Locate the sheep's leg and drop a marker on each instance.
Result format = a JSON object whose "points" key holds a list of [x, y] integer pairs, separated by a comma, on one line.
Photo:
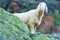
{"points": [[32, 29]]}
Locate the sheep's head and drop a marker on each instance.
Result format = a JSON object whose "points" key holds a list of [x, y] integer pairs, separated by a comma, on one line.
{"points": [[42, 7]]}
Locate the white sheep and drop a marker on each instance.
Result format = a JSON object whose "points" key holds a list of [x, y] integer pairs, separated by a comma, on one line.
{"points": [[33, 17]]}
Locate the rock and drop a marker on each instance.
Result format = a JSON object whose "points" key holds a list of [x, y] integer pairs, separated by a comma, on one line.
{"points": [[46, 24]]}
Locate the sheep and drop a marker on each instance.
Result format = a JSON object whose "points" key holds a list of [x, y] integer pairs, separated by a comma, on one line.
{"points": [[33, 17]]}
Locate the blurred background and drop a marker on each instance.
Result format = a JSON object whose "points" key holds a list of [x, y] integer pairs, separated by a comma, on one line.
{"points": [[26, 5]]}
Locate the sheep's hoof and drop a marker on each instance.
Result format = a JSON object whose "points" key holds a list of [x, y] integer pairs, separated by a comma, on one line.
{"points": [[32, 31]]}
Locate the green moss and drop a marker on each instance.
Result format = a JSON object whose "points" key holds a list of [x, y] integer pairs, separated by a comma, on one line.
{"points": [[12, 27], [40, 37]]}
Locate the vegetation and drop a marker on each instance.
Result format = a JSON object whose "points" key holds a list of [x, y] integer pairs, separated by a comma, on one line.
{"points": [[12, 28], [56, 18]]}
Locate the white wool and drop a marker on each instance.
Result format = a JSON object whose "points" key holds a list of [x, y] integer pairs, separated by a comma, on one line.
{"points": [[26, 15], [30, 17]]}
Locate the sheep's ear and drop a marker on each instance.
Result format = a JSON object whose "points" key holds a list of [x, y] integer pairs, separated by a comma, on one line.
{"points": [[46, 10]]}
